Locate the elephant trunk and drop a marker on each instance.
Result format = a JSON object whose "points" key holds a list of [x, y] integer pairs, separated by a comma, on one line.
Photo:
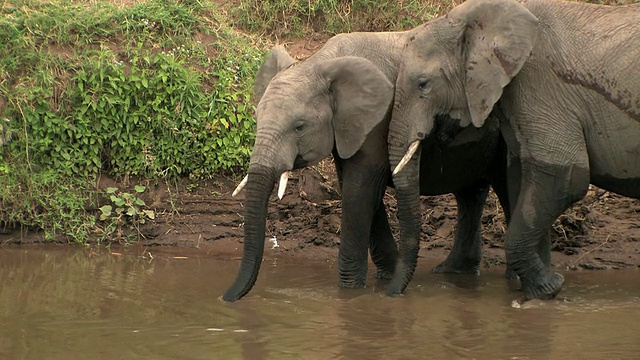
{"points": [[260, 182], [407, 187]]}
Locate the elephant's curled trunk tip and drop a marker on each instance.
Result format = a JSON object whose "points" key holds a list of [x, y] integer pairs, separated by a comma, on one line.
{"points": [[238, 290]]}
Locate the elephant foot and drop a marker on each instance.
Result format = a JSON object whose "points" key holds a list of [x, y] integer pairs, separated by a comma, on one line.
{"points": [[352, 274], [545, 285], [458, 267], [352, 284], [395, 290], [384, 274], [510, 274], [396, 286]]}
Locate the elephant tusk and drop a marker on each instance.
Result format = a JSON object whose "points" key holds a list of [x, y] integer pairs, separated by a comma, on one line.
{"points": [[240, 186], [282, 186], [405, 159]]}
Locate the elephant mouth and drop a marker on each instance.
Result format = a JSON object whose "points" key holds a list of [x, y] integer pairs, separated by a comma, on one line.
{"points": [[300, 163]]}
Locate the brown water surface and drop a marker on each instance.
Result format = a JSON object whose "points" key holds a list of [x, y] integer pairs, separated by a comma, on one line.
{"points": [[62, 303]]}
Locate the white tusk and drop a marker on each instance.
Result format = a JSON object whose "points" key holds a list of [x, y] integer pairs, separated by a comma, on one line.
{"points": [[405, 159], [282, 186], [240, 186]]}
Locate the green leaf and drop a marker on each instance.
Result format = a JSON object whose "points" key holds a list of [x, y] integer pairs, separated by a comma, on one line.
{"points": [[150, 214], [106, 210], [131, 211], [117, 201], [139, 202], [140, 188], [111, 190]]}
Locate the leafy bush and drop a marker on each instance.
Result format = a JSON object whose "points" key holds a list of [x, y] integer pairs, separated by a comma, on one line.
{"points": [[129, 109], [157, 89], [46, 201]]}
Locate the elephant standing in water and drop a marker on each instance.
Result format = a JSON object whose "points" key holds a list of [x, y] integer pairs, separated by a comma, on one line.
{"points": [[565, 77], [339, 102]]}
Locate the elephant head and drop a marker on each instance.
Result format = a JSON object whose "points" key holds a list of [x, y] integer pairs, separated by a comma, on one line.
{"points": [[454, 65], [305, 111]]}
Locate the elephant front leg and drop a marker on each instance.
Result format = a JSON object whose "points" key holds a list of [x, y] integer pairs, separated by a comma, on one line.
{"points": [[512, 189], [508, 189], [362, 190], [466, 253], [546, 192], [383, 248], [353, 254]]}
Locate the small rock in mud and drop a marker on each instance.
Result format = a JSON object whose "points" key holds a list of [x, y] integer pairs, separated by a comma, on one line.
{"points": [[592, 266], [570, 251]]}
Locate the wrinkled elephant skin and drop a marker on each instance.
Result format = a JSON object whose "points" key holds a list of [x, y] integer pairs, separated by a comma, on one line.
{"points": [[564, 79]]}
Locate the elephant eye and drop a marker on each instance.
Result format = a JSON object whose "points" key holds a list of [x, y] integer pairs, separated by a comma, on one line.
{"points": [[422, 83], [299, 126]]}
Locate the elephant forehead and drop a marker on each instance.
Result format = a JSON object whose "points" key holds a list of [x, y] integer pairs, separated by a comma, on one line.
{"points": [[287, 86], [281, 109], [289, 94], [285, 98]]}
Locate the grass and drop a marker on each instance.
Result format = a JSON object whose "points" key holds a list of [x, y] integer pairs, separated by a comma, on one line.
{"points": [[282, 18]]}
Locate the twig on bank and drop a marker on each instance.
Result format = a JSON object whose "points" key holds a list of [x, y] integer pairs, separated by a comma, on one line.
{"points": [[592, 250]]}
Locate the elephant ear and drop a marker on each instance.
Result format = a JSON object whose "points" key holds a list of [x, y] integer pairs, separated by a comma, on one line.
{"points": [[498, 38], [277, 60], [361, 95]]}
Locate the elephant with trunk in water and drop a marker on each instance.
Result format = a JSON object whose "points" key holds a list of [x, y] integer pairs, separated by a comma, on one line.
{"points": [[339, 102], [565, 77]]}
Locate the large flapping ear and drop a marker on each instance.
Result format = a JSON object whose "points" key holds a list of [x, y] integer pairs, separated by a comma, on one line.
{"points": [[277, 60], [362, 96], [498, 39]]}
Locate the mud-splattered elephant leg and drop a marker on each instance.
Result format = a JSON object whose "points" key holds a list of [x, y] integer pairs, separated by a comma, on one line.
{"points": [[514, 177], [466, 253], [547, 189], [364, 183]]}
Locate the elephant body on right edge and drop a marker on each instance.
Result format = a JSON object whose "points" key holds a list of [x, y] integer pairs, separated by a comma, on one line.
{"points": [[338, 102], [565, 76]]}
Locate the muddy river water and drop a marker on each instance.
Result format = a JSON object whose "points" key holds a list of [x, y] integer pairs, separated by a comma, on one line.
{"points": [[70, 303]]}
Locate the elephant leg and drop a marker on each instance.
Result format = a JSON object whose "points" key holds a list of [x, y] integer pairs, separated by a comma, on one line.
{"points": [[382, 246], [514, 175], [362, 190], [544, 248], [546, 191], [466, 253], [499, 180]]}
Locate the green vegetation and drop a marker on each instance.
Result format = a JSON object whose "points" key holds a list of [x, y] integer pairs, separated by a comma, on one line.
{"points": [[125, 211], [160, 89], [295, 18]]}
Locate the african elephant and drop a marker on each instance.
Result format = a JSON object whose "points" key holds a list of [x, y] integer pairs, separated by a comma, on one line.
{"points": [[338, 102], [565, 79]]}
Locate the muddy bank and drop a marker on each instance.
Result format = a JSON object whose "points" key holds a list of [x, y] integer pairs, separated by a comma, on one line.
{"points": [[600, 232]]}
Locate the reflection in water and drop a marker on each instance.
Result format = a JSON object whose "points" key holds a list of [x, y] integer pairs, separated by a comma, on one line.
{"points": [[61, 303]]}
